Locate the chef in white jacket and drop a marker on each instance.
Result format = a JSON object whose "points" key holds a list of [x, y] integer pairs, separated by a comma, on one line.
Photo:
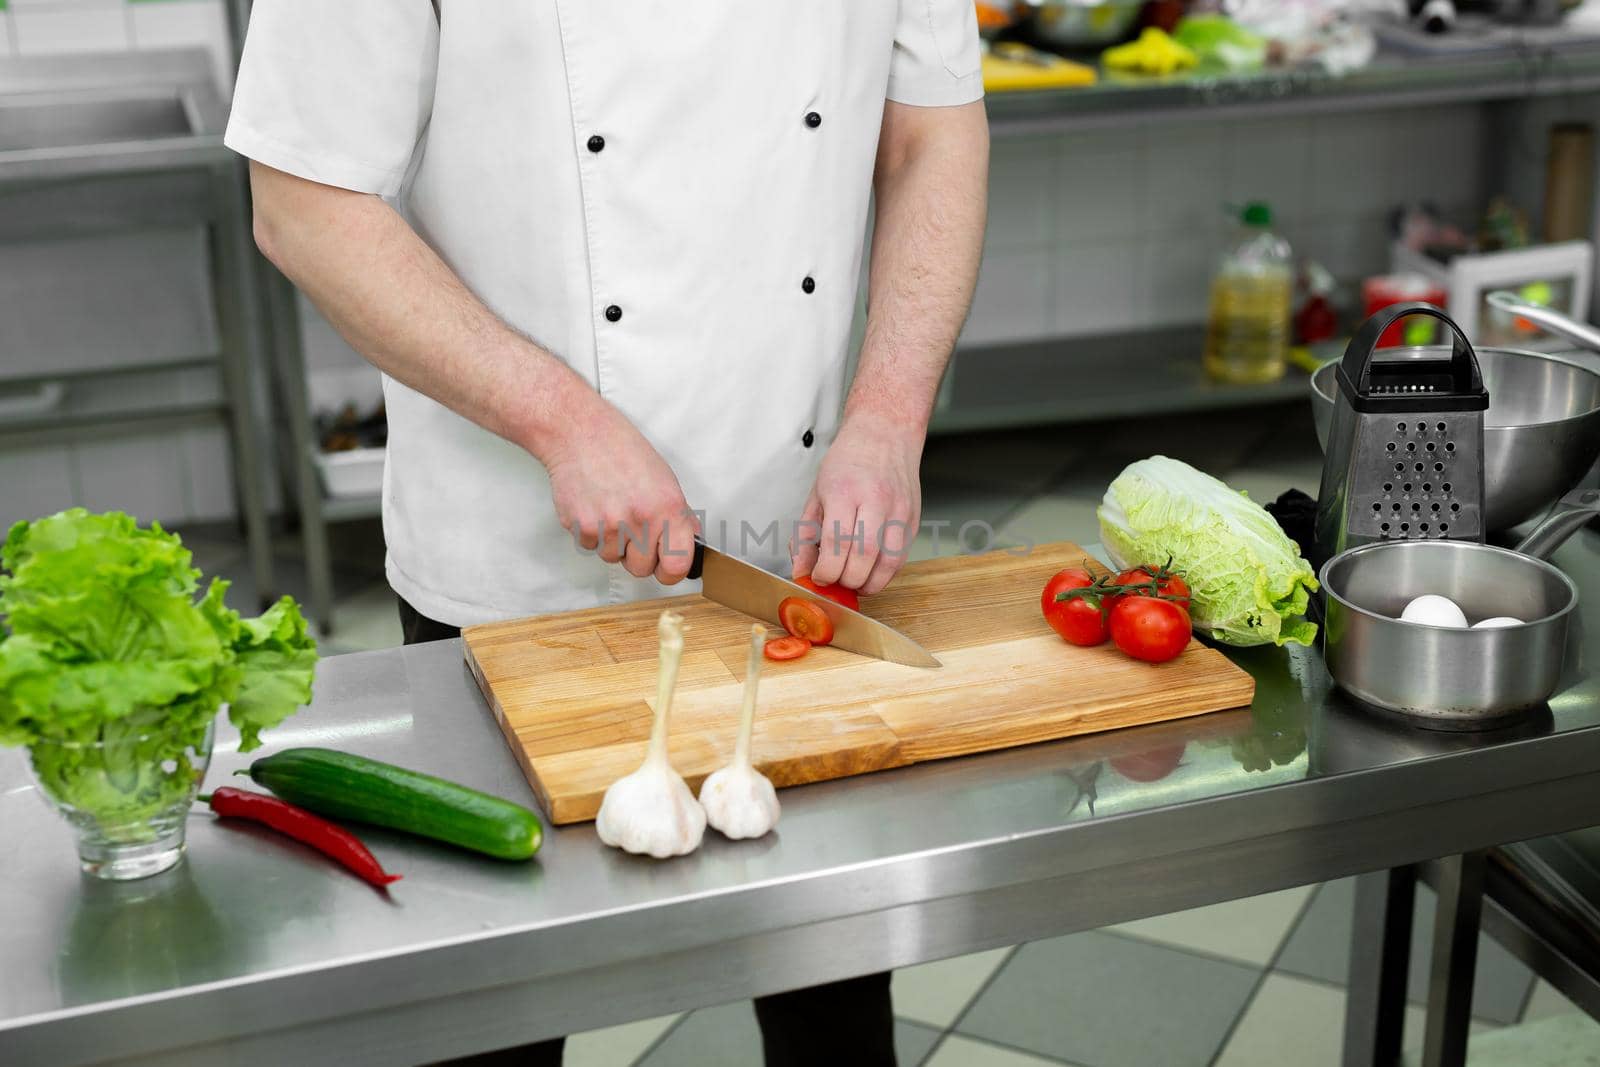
{"points": [[605, 253]]}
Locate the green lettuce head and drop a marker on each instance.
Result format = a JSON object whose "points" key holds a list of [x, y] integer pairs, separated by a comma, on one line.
{"points": [[109, 634], [1248, 582]]}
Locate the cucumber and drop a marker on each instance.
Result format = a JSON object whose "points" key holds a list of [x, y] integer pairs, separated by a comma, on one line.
{"points": [[343, 786]]}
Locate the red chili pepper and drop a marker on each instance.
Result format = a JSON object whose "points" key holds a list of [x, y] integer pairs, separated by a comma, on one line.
{"points": [[322, 835]]}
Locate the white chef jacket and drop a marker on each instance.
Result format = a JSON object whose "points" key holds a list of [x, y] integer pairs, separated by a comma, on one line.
{"points": [[671, 197]]}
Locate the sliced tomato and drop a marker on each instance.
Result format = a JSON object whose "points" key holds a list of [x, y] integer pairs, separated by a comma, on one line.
{"points": [[839, 594], [782, 648], [804, 619]]}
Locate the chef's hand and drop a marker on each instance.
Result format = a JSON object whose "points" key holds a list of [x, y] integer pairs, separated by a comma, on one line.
{"points": [[605, 477], [858, 523]]}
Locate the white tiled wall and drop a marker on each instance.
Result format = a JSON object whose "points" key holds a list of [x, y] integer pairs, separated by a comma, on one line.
{"points": [[1107, 230], [53, 27]]}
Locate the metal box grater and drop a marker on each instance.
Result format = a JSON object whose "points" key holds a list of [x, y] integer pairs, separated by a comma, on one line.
{"points": [[1405, 451]]}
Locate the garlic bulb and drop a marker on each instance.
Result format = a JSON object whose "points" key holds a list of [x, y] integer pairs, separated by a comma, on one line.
{"points": [[651, 811], [739, 800]]}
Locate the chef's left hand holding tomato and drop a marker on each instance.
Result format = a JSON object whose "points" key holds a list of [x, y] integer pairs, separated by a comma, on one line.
{"points": [[858, 523]]}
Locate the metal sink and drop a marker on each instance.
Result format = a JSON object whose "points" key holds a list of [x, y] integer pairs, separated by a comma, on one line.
{"points": [[118, 113], [73, 119]]}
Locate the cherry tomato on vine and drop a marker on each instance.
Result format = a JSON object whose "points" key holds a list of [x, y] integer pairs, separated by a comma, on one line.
{"points": [[1079, 620], [1167, 582], [1149, 629]]}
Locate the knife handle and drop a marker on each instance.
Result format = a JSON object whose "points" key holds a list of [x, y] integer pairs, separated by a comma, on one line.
{"points": [[697, 564]]}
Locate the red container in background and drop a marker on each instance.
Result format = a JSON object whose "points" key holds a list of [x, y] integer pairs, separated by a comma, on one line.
{"points": [[1385, 290], [1164, 15]]}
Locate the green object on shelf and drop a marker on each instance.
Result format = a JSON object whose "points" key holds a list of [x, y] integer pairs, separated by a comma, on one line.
{"points": [[1153, 53], [1419, 331], [1540, 293], [1219, 41]]}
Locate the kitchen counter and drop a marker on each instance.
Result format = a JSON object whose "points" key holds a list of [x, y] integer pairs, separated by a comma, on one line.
{"points": [[1390, 80], [255, 942]]}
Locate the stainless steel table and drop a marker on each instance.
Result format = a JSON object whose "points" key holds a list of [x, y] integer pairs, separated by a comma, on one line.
{"points": [[253, 952]]}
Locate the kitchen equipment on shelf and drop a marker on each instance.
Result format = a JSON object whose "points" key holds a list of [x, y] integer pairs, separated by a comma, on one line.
{"points": [[1386, 290], [746, 588], [1560, 275], [1569, 182], [1447, 677], [1011, 66], [570, 690], [995, 17], [1083, 24], [1404, 451], [1541, 433], [1252, 297], [1563, 326]]}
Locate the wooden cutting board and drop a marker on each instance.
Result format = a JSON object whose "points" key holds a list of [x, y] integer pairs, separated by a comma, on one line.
{"points": [[574, 692]]}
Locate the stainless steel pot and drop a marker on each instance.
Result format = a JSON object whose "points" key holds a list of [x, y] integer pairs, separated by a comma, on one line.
{"points": [[1081, 23], [1444, 676], [1579, 333], [1541, 433]]}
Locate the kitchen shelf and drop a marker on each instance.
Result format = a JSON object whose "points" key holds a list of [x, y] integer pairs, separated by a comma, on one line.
{"points": [[64, 429], [1392, 80], [1081, 379], [112, 143], [347, 508]]}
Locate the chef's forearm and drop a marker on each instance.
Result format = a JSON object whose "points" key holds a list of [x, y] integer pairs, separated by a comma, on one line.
{"points": [[404, 309], [932, 193]]}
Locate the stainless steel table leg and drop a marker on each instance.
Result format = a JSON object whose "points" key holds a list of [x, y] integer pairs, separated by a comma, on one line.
{"points": [[288, 361], [1455, 958], [230, 244], [1380, 953]]}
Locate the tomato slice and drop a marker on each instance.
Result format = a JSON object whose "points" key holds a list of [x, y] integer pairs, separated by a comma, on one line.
{"points": [[804, 619], [839, 594], [782, 648]]}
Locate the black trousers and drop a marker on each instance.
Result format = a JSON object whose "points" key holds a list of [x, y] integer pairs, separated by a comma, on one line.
{"points": [[848, 1023]]}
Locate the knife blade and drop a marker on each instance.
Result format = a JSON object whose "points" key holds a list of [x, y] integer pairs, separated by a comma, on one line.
{"points": [[748, 589]]}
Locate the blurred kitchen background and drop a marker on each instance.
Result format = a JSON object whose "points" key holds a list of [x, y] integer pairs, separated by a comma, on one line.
{"points": [[150, 361], [148, 356]]}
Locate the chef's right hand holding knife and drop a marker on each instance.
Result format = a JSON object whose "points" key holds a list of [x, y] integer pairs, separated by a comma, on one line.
{"points": [[605, 476]]}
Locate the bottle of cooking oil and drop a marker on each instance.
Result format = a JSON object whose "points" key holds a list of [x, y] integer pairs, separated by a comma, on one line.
{"points": [[1247, 339]]}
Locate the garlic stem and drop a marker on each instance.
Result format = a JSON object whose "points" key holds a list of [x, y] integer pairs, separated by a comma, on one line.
{"points": [[670, 629], [752, 675]]}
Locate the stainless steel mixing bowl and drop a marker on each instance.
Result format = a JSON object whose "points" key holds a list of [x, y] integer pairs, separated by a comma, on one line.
{"points": [[1080, 23], [1443, 676], [1541, 433], [1450, 677]]}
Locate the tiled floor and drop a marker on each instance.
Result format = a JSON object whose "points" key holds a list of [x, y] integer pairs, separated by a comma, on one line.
{"points": [[1250, 983]]}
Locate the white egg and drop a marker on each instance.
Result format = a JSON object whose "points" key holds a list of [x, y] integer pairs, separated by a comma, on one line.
{"points": [[1499, 622], [1433, 610]]}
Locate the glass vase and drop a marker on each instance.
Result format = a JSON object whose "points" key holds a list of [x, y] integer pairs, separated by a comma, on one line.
{"points": [[126, 795]]}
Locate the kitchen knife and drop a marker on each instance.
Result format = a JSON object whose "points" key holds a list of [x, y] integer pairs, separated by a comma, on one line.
{"points": [[746, 588]]}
